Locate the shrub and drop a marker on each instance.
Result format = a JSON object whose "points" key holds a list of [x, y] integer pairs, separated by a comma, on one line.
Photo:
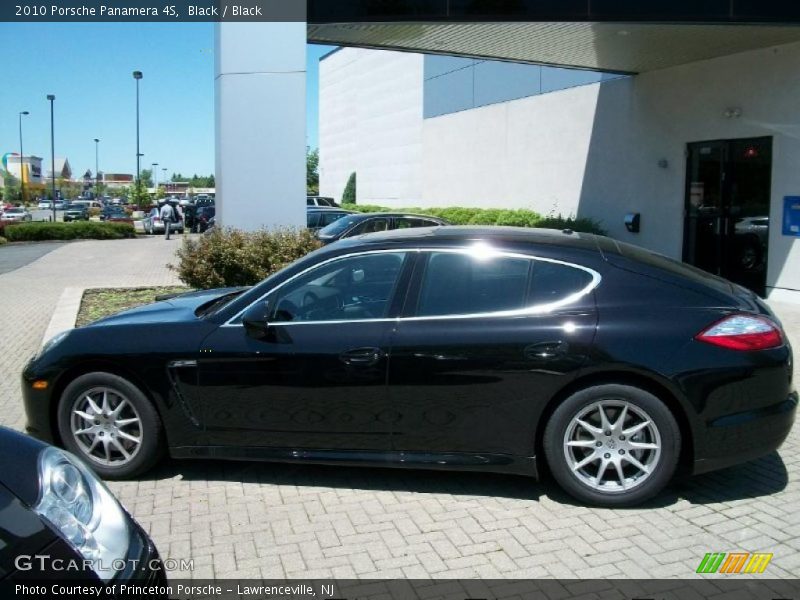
{"points": [[349, 195], [3, 241], [94, 212], [79, 230], [229, 257], [459, 215]]}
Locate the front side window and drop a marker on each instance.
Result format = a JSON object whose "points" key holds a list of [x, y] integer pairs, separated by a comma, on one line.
{"points": [[348, 289]]}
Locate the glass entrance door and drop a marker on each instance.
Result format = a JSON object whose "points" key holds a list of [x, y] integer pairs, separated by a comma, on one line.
{"points": [[727, 209]]}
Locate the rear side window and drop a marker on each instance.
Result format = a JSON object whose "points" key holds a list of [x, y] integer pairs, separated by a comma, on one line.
{"points": [[462, 284], [410, 222]]}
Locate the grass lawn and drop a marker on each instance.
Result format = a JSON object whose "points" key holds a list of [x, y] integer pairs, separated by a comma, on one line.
{"points": [[99, 303]]}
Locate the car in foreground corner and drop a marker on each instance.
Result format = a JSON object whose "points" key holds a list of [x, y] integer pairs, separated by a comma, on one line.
{"points": [[58, 521], [476, 348]]}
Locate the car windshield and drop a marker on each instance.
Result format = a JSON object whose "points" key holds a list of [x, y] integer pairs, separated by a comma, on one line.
{"points": [[15, 210], [75, 206], [339, 226]]}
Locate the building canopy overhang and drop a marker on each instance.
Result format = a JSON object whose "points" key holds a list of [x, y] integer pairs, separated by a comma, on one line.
{"points": [[624, 36]]}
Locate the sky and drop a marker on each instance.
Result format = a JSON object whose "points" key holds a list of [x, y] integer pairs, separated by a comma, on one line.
{"points": [[88, 67]]}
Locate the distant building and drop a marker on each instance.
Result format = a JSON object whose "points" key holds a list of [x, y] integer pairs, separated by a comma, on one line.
{"points": [[118, 179], [31, 167], [62, 168]]}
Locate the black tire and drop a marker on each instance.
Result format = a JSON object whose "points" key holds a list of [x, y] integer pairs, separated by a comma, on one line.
{"points": [[575, 482], [151, 431]]}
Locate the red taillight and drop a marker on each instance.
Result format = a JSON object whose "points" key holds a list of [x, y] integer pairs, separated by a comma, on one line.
{"points": [[743, 332]]}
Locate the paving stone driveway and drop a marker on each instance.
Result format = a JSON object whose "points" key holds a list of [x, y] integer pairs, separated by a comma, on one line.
{"points": [[238, 519]]}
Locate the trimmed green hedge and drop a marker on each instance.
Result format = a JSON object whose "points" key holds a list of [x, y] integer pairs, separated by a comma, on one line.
{"points": [[79, 230], [458, 215]]}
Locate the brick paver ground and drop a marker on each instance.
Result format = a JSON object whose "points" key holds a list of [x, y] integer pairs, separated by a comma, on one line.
{"points": [[239, 519]]}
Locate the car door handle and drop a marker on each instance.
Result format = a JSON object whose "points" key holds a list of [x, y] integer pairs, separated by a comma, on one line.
{"points": [[545, 350], [362, 356]]}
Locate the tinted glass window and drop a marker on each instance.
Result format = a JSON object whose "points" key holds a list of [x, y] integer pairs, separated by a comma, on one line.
{"points": [[309, 202], [329, 217], [460, 284], [339, 226], [371, 226], [312, 219], [353, 288], [409, 222], [553, 282]]}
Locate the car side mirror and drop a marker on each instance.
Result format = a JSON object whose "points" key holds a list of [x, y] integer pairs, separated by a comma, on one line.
{"points": [[256, 320]]}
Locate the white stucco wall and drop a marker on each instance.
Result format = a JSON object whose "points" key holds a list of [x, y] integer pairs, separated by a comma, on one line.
{"points": [[370, 122], [592, 150]]}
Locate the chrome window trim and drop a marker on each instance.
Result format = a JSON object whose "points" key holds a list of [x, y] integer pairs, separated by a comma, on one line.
{"points": [[536, 309]]}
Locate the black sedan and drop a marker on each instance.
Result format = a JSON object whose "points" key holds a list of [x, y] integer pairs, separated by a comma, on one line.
{"points": [[498, 349], [59, 522], [358, 224], [318, 217]]}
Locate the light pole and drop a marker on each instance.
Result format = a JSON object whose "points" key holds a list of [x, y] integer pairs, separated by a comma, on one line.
{"points": [[52, 99], [155, 177], [96, 167], [22, 158], [137, 75]]}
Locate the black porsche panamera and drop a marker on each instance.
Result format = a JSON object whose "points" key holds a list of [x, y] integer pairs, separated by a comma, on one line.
{"points": [[498, 349]]}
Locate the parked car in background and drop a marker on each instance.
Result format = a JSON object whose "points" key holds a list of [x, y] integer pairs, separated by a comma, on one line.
{"points": [[89, 203], [60, 204], [359, 223], [492, 348], [76, 212], [59, 521], [320, 201], [115, 213], [318, 217], [44, 205], [203, 216], [153, 224], [212, 223], [190, 210], [16, 213]]}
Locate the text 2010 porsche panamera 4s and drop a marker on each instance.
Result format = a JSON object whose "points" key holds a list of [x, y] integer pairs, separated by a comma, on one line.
{"points": [[497, 349]]}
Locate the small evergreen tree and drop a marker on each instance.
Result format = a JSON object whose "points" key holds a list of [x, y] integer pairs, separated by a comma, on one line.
{"points": [[349, 195]]}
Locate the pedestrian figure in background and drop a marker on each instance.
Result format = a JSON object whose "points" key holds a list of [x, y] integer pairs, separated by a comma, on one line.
{"points": [[167, 216]]}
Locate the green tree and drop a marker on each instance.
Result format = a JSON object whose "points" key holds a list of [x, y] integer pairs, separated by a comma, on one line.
{"points": [[147, 177], [312, 171], [349, 195], [161, 192], [138, 195]]}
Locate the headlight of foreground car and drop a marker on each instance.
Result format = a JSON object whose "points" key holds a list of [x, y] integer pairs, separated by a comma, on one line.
{"points": [[80, 508]]}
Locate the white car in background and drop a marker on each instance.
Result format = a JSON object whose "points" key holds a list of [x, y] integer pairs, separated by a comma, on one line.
{"points": [[16, 213], [44, 205]]}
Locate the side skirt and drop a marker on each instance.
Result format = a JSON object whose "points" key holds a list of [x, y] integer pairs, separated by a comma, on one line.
{"points": [[444, 461]]}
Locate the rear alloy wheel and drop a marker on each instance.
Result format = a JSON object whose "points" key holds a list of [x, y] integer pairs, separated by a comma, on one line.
{"points": [[612, 445], [111, 425]]}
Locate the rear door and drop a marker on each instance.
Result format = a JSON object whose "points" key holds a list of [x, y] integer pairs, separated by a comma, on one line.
{"points": [[483, 345]]}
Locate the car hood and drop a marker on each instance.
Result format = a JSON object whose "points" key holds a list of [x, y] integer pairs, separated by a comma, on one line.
{"points": [[182, 307]]}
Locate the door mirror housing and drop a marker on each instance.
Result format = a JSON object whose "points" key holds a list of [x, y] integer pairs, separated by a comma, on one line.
{"points": [[256, 320]]}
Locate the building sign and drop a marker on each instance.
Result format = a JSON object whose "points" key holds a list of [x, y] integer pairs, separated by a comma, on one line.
{"points": [[791, 216]]}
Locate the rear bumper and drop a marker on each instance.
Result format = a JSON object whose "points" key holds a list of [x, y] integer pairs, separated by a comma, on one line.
{"points": [[744, 436]]}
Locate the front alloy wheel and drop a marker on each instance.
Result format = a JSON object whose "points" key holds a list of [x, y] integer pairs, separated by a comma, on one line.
{"points": [[612, 445], [108, 422], [106, 426]]}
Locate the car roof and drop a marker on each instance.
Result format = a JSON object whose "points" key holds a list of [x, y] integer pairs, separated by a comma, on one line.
{"points": [[329, 209], [398, 214], [458, 233]]}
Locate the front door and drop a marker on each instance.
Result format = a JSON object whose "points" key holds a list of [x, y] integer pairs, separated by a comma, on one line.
{"points": [[317, 379], [727, 209]]}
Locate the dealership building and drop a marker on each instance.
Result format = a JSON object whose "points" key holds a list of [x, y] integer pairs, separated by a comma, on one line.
{"points": [[675, 124]]}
